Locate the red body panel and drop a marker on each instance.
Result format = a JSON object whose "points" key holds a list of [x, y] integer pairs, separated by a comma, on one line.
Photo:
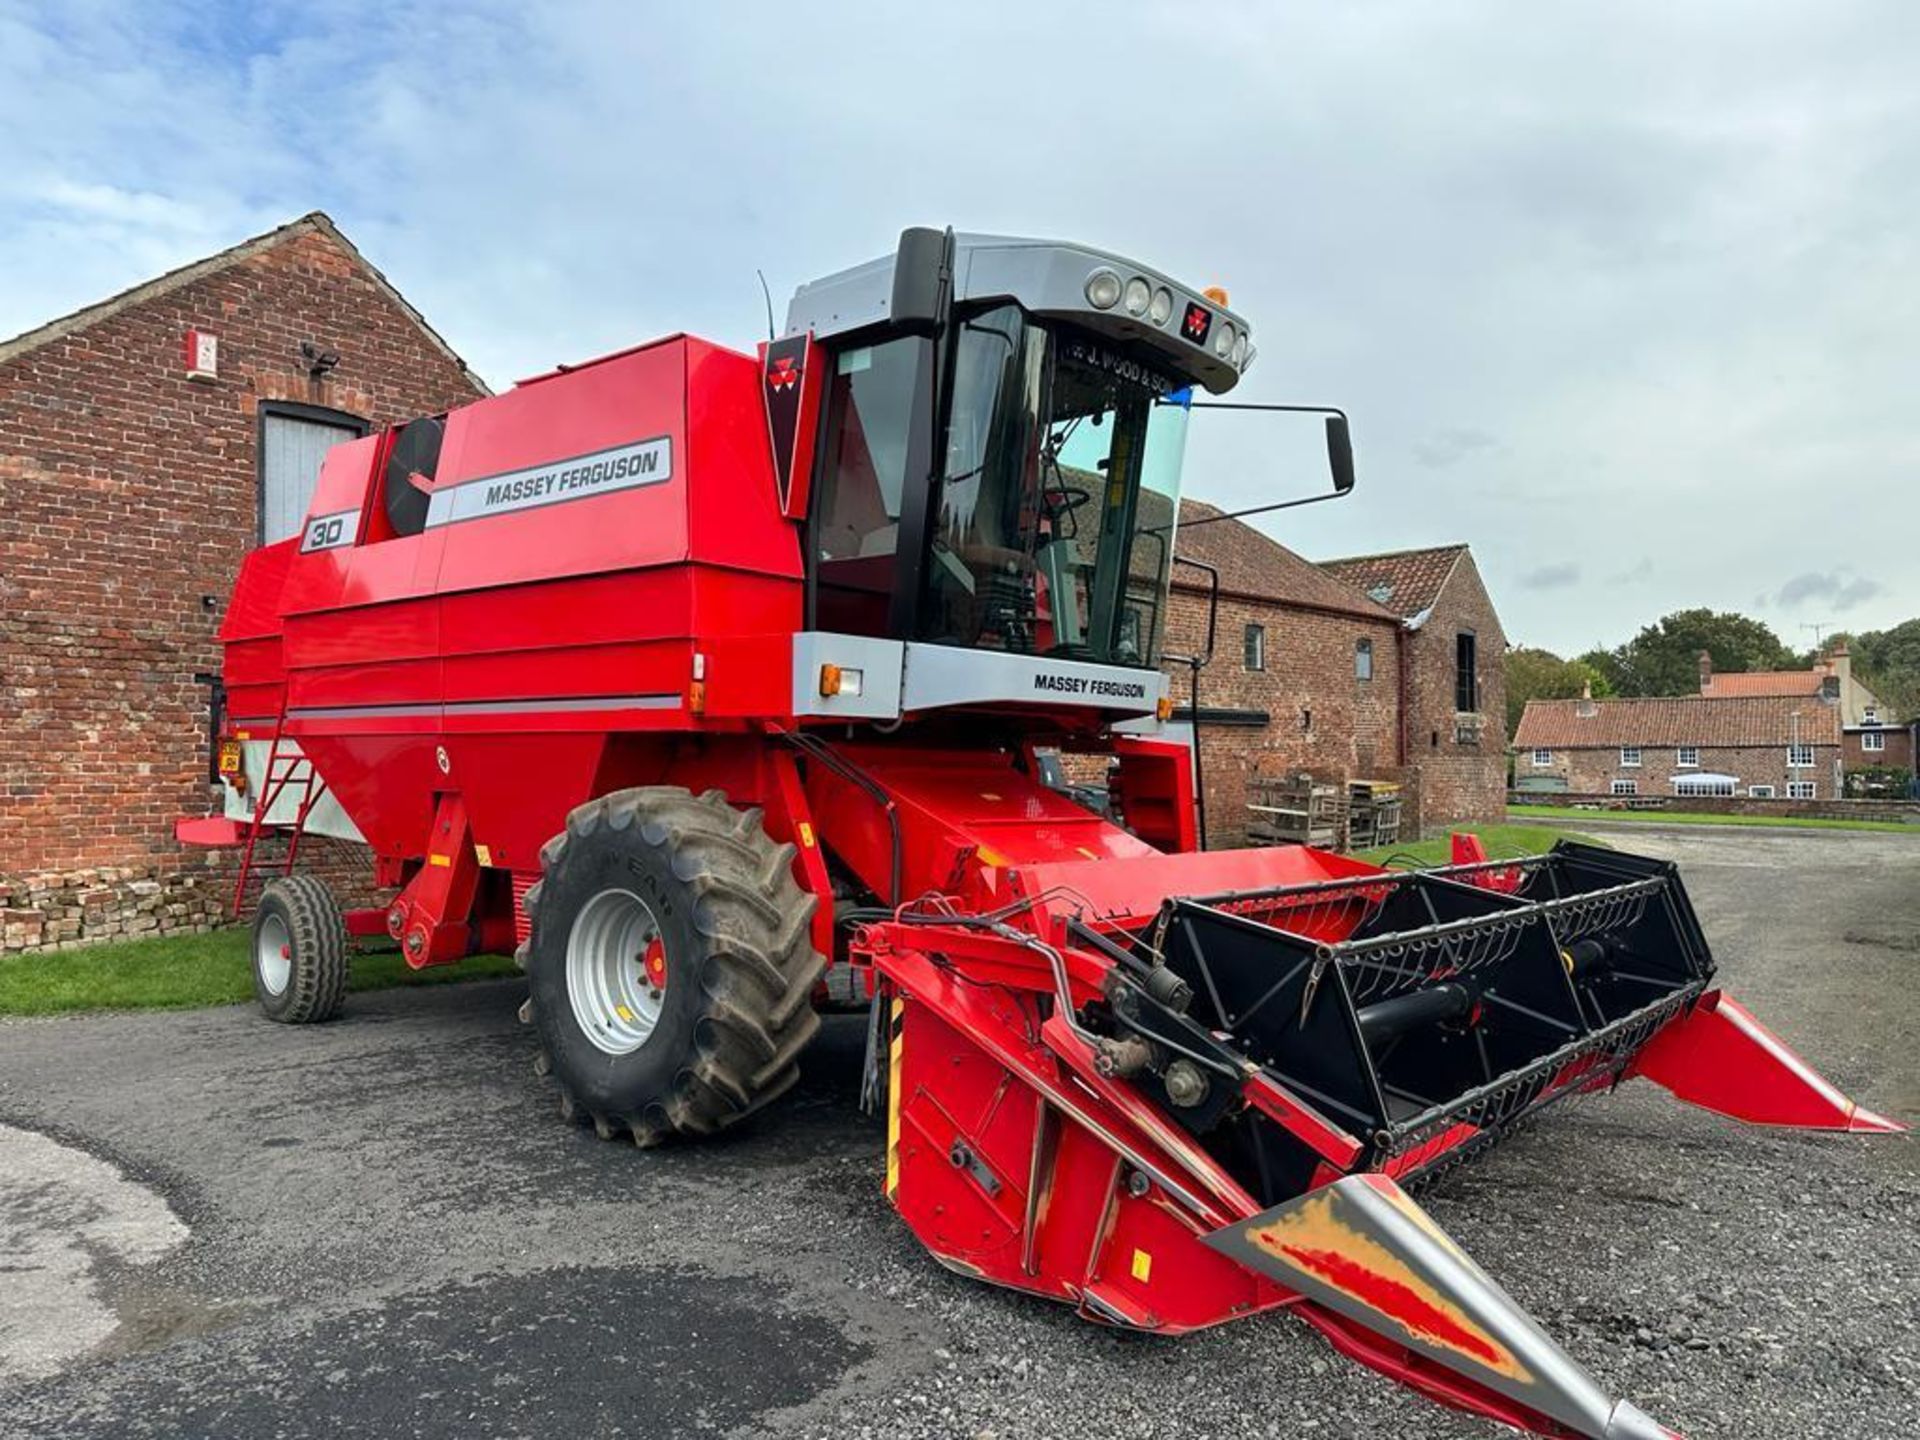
{"points": [[1722, 1059]]}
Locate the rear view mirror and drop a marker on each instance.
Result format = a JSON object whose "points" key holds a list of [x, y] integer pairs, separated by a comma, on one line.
{"points": [[1340, 453], [922, 272]]}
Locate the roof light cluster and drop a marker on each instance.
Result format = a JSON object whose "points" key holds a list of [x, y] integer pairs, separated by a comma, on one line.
{"points": [[1144, 300]]}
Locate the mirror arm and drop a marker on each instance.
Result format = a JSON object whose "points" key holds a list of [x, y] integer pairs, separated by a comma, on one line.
{"points": [[1186, 525], [1339, 454]]}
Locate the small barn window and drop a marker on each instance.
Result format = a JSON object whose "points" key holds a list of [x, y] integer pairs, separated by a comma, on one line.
{"points": [[1802, 790], [1543, 757], [1466, 680], [1363, 659], [1799, 757], [1873, 740], [1624, 787], [1256, 646], [294, 439]]}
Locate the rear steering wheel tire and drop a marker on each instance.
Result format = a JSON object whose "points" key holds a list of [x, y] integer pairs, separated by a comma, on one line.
{"points": [[299, 951], [670, 966]]}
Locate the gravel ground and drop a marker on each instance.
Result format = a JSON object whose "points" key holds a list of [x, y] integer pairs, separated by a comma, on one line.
{"points": [[379, 1227]]}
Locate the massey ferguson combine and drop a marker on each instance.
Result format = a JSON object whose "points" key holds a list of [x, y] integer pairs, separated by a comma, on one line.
{"points": [[717, 689]]}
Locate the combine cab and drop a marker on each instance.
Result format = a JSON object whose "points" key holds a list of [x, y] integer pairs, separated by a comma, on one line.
{"points": [[723, 689]]}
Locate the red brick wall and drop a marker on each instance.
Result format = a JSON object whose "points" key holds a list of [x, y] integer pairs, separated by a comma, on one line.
{"points": [[1451, 775], [1309, 666], [131, 494], [1897, 755]]}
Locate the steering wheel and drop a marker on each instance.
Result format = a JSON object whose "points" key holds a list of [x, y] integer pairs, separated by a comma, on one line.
{"points": [[1062, 500]]}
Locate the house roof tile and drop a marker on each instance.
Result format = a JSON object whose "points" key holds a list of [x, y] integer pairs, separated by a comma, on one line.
{"points": [[1763, 682], [1406, 582], [1253, 565], [1705, 721]]}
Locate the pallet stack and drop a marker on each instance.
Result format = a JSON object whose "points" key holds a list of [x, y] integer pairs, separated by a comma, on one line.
{"points": [[1373, 813], [1296, 810]]}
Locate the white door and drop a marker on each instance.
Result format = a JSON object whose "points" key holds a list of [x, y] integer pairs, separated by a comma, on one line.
{"points": [[292, 447]]}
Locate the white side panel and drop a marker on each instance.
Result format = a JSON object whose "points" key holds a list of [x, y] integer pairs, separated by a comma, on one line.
{"points": [[326, 817], [938, 676]]}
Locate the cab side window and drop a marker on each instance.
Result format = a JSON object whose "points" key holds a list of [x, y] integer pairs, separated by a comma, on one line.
{"points": [[857, 504]]}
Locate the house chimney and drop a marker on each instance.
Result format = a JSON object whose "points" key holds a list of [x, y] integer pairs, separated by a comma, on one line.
{"points": [[1586, 709], [1706, 672], [1586, 689]]}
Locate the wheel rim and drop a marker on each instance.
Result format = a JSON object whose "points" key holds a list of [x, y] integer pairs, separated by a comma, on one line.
{"points": [[616, 971], [273, 953]]}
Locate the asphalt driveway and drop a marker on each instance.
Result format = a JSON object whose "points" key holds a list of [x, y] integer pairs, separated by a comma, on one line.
{"points": [[214, 1226]]}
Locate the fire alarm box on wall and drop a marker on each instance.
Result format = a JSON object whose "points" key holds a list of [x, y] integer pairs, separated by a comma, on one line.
{"points": [[202, 355]]}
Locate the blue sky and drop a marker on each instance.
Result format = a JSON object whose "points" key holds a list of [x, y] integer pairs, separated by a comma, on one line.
{"points": [[1622, 293]]}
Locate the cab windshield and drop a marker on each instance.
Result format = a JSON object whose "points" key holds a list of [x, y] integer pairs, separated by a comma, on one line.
{"points": [[1052, 529]]}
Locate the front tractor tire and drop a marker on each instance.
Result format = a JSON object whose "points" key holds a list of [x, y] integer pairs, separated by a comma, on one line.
{"points": [[299, 951], [670, 967]]}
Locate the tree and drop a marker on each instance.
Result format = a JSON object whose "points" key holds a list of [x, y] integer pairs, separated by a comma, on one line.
{"points": [[1608, 668], [1542, 675], [1664, 658]]}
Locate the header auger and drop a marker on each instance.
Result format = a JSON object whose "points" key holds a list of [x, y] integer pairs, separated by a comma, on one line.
{"points": [[717, 689]]}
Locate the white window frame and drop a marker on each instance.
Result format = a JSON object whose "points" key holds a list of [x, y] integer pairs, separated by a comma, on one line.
{"points": [[1870, 715], [1802, 790], [1873, 740], [1542, 757], [1693, 789], [1623, 787], [1629, 757], [1761, 792], [1680, 757], [1254, 648], [1794, 752]]}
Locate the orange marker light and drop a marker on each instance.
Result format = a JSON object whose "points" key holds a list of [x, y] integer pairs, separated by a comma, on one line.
{"points": [[829, 680], [1216, 293]]}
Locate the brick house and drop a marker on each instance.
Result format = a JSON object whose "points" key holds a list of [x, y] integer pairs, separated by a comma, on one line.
{"points": [[139, 468], [1781, 747], [1456, 691], [1309, 673], [1872, 736]]}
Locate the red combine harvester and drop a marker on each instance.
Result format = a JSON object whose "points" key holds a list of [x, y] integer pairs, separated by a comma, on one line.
{"points": [[722, 690]]}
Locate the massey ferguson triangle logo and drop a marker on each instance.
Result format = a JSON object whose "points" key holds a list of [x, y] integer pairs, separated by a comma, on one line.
{"points": [[1197, 322], [785, 373]]}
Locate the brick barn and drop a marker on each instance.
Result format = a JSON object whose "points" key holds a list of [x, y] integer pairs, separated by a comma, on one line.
{"points": [[1386, 667], [1455, 709], [146, 443]]}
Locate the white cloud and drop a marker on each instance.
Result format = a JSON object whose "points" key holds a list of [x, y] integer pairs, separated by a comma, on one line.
{"points": [[1662, 253]]}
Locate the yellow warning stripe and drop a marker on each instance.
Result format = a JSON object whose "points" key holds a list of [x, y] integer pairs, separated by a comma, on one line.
{"points": [[895, 1033]]}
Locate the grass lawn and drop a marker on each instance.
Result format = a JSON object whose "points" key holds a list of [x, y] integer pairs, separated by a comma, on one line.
{"points": [[175, 972], [1683, 817], [1501, 841]]}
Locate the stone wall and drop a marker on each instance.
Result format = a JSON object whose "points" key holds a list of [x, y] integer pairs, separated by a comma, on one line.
{"points": [[64, 909]]}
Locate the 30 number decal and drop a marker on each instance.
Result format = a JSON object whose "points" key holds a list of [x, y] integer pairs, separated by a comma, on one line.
{"points": [[325, 532]]}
